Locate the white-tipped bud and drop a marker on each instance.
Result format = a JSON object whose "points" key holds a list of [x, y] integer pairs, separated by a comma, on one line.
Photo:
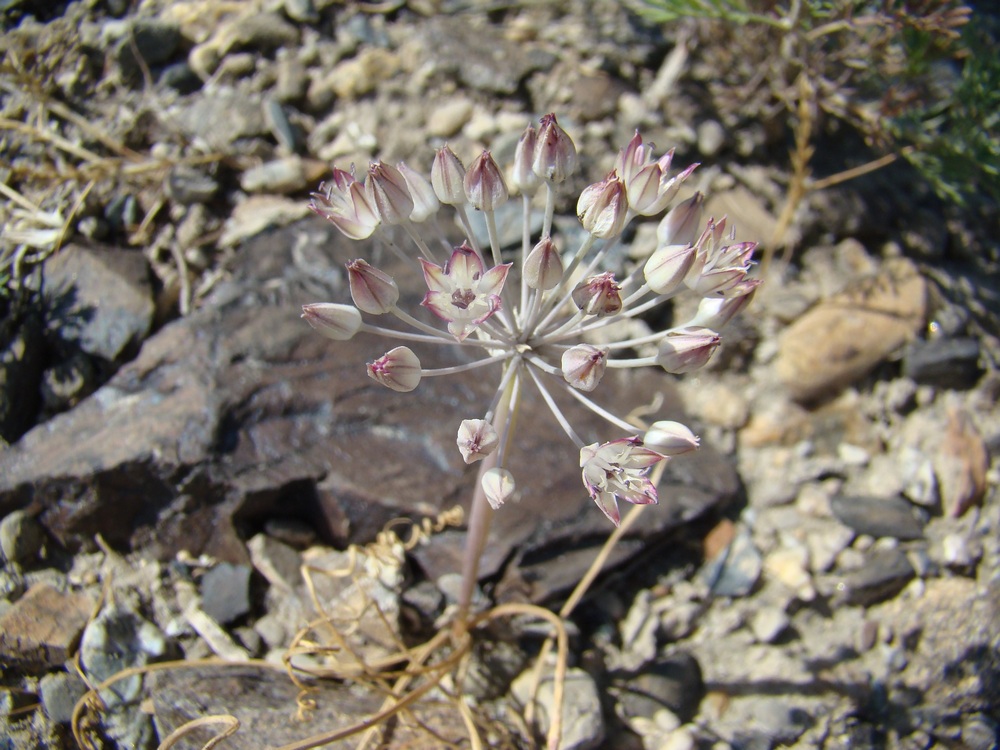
{"points": [[484, 184], [388, 193], [680, 225], [523, 176], [583, 366], [543, 268], [715, 312], [373, 291], [448, 177], [666, 268], [687, 349], [599, 295], [670, 438], [476, 439], [498, 486], [554, 158], [337, 322], [425, 201], [398, 369], [603, 207]]}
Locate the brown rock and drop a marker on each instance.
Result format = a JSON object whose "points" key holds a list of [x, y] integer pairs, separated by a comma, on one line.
{"points": [[961, 463], [41, 629], [843, 338]]}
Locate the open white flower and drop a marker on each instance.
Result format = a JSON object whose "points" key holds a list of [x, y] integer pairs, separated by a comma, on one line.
{"points": [[463, 293], [617, 470]]}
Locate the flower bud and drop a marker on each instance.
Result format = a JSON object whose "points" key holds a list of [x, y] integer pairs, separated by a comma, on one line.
{"points": [[680, 225], [523, 177], [715, 312], [666, 268], [543, 268], [425, 202], [583, 366], [398, 369], [388, 193], [498, 485], [687, 349], [373, 291], [342, 202], [476, 439], [670, 438], [484, 184], [603, 207], [599, 295], [448, 177], [337, 322], [632, 158], [554, 158]]}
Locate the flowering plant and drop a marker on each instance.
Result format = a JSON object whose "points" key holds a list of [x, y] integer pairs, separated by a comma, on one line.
{"points": [[535, 325]]}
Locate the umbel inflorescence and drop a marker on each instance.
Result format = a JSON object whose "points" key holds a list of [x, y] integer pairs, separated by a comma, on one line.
{"points": [[533, 318]]}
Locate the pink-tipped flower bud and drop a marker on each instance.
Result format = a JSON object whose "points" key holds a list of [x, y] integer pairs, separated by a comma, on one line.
{"points": [[388, 193], [398, 369], [448, 177], [670, 438], [498, 486], [680, 225], [373, 291], [603, 207], [484, 184], [666, 268], [554, 158], [715, 312], [425, 202], [599, 295], [337, 322], [687, 349], [343, 203], [476, 439], [583, 366], [632, 158], [523, 176], [543, 268]]}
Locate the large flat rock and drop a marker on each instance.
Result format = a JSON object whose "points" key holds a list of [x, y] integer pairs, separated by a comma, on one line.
{"points": [[241, 413]]}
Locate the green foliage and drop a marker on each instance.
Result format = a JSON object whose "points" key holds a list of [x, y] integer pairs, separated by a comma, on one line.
{"points": [[957, 134], [912, 82]]}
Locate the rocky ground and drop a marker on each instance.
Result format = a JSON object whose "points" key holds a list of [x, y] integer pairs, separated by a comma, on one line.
{"points": [[823, 573]]}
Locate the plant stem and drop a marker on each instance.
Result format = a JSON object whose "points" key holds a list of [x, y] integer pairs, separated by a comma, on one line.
{"points": [[481, 513]]}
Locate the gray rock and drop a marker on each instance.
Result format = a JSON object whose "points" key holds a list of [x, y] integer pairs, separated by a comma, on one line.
{"points": [[256, 32], [190, 187], [582, 719], [711, 138], [222, 118], [60, 691], [225, 592], [20, 537], [500, 67], [261, 700], [673, 682], [734, 572], [101, 300], [943, 362], [146, 43], [878, 516], [883, 574], [768, 624]]}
